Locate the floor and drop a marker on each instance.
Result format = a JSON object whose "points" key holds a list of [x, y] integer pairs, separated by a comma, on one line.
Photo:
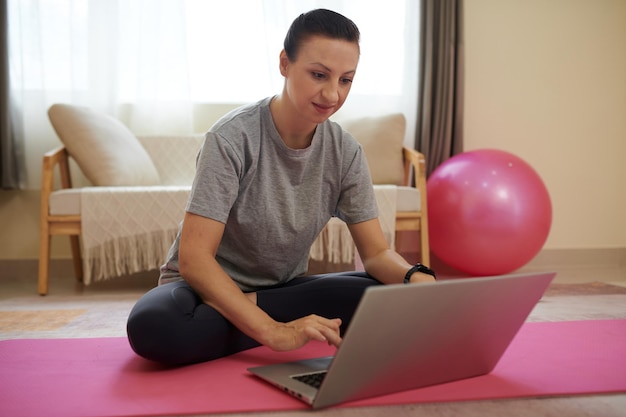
{"points": [[106, 306]]}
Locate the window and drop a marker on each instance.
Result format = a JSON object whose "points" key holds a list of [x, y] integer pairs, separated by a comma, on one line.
{"points": [[191, 49], [163, 58]]}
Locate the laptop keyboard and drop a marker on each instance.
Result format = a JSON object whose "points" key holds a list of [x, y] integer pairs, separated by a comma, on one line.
{"points": [[313, 379]]}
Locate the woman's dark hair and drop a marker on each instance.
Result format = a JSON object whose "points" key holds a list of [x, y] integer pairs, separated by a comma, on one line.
{"points": [[319, 22]]}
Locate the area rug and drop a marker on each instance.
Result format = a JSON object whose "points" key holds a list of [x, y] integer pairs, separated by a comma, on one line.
{"points": [[587, 288], [102, 377], [36, 320]]}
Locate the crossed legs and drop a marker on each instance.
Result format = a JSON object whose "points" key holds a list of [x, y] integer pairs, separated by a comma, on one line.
{"points": [[172, 325]]}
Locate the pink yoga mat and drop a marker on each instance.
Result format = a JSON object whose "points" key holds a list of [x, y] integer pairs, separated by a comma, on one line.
{"points": [[103, 377]]}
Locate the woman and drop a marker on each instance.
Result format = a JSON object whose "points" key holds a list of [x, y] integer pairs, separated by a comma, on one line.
{"points": [[269, 177]]}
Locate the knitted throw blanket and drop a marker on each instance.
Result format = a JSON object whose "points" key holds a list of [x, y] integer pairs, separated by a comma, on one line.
{"points": [[128, 229]]}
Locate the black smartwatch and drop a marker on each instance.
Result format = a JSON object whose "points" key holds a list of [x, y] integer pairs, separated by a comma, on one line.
{"points": [[418, 268]]}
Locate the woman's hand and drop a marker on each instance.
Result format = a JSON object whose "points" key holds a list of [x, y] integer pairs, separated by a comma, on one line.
{"points": [[297, 333]]}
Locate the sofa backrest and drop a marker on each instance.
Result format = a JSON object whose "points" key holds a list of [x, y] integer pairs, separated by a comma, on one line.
{"points": [[173, 156]]}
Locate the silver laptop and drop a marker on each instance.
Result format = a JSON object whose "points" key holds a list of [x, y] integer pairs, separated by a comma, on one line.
{"points": [[409, 336]]}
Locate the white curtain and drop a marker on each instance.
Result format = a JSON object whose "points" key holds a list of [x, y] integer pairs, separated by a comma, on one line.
{"points": [[152, 62]]}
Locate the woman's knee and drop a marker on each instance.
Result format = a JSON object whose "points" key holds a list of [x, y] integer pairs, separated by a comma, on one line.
{"points": [[156, 323], [171, 324]]}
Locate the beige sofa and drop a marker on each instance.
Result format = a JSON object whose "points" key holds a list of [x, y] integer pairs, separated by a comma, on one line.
{"points": [[125, 218]]}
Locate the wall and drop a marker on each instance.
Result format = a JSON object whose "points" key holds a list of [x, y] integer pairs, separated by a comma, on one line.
{"points": [[544, 80]]}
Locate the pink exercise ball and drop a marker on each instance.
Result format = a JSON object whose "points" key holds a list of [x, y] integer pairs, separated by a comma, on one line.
{"points": [[489, 212]]}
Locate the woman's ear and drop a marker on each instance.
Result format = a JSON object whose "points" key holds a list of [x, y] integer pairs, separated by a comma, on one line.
{"points": [[283, 63]]}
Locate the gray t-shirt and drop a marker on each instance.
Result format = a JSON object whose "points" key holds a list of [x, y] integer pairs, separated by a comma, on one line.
{"points": [[273, 200]]}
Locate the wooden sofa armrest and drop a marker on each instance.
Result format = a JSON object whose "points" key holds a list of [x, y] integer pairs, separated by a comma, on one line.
{"points": [[415, 168], [56, 225], [414, 165], [51, 159]]}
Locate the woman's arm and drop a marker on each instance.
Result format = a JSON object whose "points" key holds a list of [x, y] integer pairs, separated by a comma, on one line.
{"points": [[384, 264], [200, 238]]}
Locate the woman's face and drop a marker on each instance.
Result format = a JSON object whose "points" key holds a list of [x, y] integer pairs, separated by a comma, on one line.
{"points": [[317, 83]]}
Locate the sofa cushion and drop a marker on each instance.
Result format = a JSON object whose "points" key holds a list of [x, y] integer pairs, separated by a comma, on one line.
{"points": [[382, 139], [65, 202], [104, 149], [408, 199]]}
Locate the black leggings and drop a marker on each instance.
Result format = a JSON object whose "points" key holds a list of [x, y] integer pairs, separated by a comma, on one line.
{"points": [[172, 325]]}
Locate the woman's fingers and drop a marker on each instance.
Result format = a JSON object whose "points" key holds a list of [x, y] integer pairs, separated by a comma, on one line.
{"points": [[295, 334], [324, 330]]}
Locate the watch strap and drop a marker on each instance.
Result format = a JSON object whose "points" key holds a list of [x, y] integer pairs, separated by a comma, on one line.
{"points": [[418, 268]]}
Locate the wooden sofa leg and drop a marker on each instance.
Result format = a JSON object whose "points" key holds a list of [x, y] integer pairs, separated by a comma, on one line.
{"points": [[424, 247], [78, 264], [44, 262]]}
